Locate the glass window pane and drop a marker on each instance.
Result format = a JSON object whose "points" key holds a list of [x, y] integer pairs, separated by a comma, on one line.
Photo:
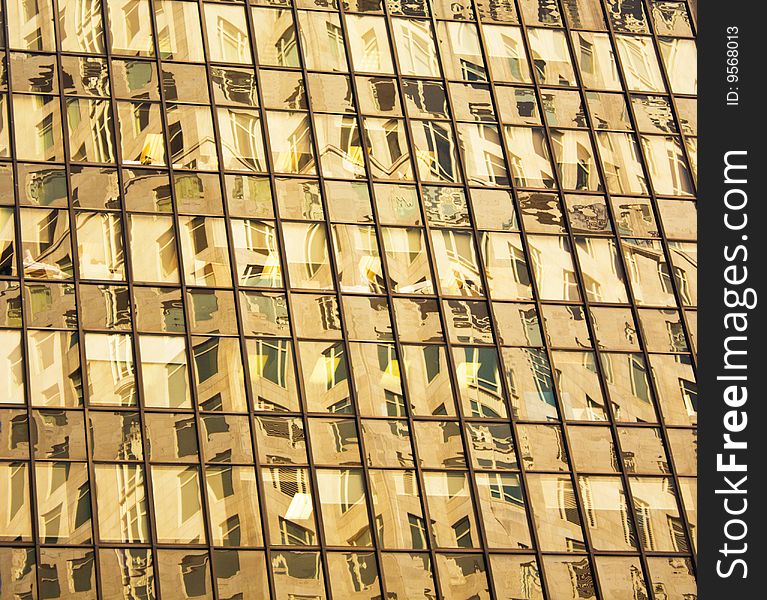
{"points": [[233, 506], [272, 375], [177, 499], [307, 253], [131, 27], [164, 371], [99, 246], [64, 503], [140, 577], [326, 377], [555, 508], [141, 136], [90, 131], [178, 31], [110, 369], [409, 575], [15, 522], [205, 251], [451, 509], [354, 575], [190, 135], [640, 63], [288, 498], [38, 128], [529, 157], [30, 26], [596, 60], [507, 57], [242, 142], [227, 33], [121, 502], [219, 375], [369, 44], [415, 46], [344, 511], [11, 367], [54, 365], [429, 380], [160, 262], [298, 574], [322, 41]]}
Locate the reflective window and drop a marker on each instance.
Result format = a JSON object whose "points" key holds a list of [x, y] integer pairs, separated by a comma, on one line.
{"points": [[381, 300]]}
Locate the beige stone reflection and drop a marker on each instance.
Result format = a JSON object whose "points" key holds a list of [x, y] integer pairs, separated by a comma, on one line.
{"points": [[219, 374], [126, 572], [621, 577], [272, 374], [463, 576], [186, 572], [15, 522], [130, 27], [569, 578], [578, 384], [11, 367], [344, 512], [607, 513], [673, 577], [290, 506], [677, 388], [451, 509], [659, 524], [164, 371], [177, 499], [63, 497], [408, 576], [71, 571], [503, 510], [628, 386], [298, 574], [241, 572], [54, 364], [233, 508], [18, 571], [178, 31], [110, 369], [122, 504], [354, 575], [516, 576], [557, 520]]}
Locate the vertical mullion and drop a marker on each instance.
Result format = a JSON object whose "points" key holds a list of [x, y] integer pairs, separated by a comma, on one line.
{"points": [[78, 298], [397, 343], [310, 469], [134, 332], [450, 360], [31, 479], [667, 82], [237, 299], [536, 297], [191, 370], [677, 296], [616, 236], [585, 302], [650, 188], [339, 300]]}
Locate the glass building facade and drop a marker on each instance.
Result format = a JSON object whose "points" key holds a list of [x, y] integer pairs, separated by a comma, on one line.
{"points": [[379, 299]]}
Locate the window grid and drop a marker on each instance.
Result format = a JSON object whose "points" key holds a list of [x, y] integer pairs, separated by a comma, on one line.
{"points": [[204, 555]]}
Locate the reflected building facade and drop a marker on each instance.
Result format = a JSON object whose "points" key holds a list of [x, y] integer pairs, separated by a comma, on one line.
{"points": [[312, 300]]}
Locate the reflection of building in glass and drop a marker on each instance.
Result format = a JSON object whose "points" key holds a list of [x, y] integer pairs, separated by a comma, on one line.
{"points": [[314, 300]]}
